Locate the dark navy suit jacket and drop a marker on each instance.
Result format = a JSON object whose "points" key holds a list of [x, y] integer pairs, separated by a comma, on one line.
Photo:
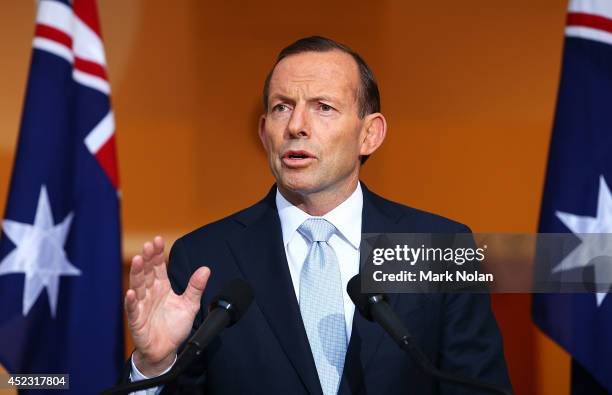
{"points": [[267, 351]]}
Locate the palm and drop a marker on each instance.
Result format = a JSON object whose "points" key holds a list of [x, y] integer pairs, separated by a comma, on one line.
{"points": [[160, 320]]}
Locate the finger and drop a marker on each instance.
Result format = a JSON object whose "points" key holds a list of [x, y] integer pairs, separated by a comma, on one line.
{"points": [[147, 252], [137, 277], [158, 245], [131, 305], [159, 263], [196, 286], [161, 270]]}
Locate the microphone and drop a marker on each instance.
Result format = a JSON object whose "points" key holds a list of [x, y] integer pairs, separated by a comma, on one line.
{"points": [[375, 307], [224, 311]]}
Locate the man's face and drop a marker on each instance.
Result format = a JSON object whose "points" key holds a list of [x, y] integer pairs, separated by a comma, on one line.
{"points": [[312, 132]]}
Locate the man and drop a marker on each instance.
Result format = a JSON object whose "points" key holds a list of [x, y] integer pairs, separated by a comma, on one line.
{"points": [[298, 248]]}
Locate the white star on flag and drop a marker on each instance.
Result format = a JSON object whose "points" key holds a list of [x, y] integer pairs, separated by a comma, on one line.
{"points": [[592, 246], [39, 254]]}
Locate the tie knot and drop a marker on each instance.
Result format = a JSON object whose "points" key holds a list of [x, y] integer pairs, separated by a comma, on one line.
{"points": [[317, 229]]}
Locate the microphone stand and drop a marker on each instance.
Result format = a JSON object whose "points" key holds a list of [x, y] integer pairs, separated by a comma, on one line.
{"points": [[384, 316], [127, 388], [374, 307], [216, 320], [408, 344]]}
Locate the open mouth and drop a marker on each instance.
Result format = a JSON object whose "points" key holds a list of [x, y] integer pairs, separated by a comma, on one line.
{"points": [[298, 155], [297, 158]]}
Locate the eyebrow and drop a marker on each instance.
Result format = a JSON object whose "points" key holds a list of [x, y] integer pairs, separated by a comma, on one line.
{"points": [[284, 98], [322, 98], [278, 96]]}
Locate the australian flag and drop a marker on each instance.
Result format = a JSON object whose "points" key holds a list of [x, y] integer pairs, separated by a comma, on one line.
{"points": [[577, 194], [60, 253]]}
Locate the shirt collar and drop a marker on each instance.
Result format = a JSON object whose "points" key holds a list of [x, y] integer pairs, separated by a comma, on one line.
{"points": [[346, 217]]}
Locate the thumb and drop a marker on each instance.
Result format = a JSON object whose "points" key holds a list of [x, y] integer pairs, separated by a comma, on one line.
{"points": [[196, 286]]}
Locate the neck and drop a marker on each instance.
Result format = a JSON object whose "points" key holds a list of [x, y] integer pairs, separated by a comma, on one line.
{"points": [[321, 202]]}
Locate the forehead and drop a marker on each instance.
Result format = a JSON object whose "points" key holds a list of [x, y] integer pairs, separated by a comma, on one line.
{"points": [[316, 73]]}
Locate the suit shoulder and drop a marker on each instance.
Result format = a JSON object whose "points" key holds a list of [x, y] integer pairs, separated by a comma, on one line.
{"points": [[416, 220]]}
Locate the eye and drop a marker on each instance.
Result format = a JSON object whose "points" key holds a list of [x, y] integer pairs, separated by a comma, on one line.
{"points": [[325, 107], [280, 108]]}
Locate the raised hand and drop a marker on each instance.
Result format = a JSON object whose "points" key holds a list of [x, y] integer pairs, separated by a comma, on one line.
{"points": [[159, 320]]}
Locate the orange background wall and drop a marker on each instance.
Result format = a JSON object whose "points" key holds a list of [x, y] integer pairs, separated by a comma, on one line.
{"points": [[468, 89]]}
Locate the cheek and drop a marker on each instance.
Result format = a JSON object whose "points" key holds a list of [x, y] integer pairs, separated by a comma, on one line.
{"points": [[344, 144], [270, 140], [265, 142]]}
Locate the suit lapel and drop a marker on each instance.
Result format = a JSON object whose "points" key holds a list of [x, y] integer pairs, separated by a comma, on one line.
{"points": [[366, 336], [261, 256]]}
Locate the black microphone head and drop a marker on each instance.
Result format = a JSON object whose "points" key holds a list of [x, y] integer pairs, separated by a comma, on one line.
{"points": [[353, 288], [362, 301], [236, 298]]}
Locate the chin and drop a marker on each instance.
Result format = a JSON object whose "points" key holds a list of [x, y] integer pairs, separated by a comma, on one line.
{"points": [[298, 183]]}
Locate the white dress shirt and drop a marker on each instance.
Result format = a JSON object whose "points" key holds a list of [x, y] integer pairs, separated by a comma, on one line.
{"points": [[345, 242], [346, 218]]}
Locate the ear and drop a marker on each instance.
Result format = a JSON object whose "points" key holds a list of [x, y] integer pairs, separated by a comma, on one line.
{"points": [[374, 132], [261, 129]]}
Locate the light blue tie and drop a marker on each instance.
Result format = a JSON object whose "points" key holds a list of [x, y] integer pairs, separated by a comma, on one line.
{"points": [[321, 304]]}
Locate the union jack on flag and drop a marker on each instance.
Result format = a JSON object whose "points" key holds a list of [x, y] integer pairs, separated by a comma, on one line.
{"points": [[60, 247]]}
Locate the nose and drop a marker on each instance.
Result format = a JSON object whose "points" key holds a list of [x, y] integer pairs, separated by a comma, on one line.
{"points": [[298, 126]]}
